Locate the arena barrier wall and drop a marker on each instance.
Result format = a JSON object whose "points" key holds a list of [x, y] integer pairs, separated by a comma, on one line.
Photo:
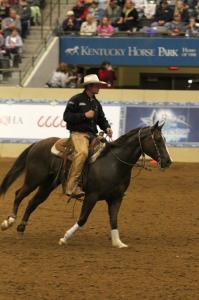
{"points": [[29, 114]]}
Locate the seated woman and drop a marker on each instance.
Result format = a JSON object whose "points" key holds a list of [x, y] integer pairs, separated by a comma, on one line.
{"points": [[13, 45], [192, 29], [89, 27], [60, 77], [105, 28], [129, 17], [176, 26]]}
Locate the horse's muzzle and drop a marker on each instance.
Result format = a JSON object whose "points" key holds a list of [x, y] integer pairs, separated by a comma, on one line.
{"points": [[165, 163]]}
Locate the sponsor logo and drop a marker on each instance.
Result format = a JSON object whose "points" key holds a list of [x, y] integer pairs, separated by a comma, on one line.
{"points": [[51, 121], [176, 127], [10, 120]]}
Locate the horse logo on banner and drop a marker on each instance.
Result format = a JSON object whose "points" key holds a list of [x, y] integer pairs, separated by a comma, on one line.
{"points": [[72, 51]]}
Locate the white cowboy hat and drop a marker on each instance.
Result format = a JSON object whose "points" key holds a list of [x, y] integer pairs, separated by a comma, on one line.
{"points": [[92, 79], [70, 13]]}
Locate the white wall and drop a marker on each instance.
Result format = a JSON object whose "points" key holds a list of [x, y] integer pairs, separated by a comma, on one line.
{"points": [[44, 67]]}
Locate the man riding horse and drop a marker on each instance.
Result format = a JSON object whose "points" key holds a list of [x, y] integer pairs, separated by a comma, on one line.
{"points": [[82, 115]]}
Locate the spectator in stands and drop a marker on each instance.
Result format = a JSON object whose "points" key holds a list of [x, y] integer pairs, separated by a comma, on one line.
{"points": [[140, 5], [163, 14], [77, 74], [129, 17], [176, 26], [35, 12], [103, 4], [24, 11], [13, 45], [105, 28], [149, 9], [60, 77], [2, 44], [106, 73], [80, 12], [4, 9], [70, 24], [180, 9], [113, 12], [10, 23], [190, 5], [195, 12], [95, 11], [89, 27], [192, 29]]}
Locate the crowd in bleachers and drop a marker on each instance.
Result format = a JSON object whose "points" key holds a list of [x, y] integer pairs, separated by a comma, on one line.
{"points": [[108, 17], [16, 18]]}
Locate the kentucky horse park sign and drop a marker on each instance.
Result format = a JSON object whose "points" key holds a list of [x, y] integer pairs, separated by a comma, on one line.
{"points": [[130, 51]]}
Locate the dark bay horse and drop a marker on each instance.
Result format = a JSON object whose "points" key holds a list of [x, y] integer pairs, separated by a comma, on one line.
{"points": [[107, 179]]}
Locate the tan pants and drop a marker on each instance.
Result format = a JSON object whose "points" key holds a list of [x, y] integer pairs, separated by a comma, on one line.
{"points": [[81, 145]]}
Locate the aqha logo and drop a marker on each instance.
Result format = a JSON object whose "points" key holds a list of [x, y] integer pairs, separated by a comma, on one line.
{"points": [[11, 120], [51, 121], [72, 51]]}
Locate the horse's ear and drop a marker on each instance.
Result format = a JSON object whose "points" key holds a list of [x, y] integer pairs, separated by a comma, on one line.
{"points": [[155, 126]]}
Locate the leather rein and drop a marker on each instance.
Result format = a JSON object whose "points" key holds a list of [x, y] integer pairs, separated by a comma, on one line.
{"points": [[142, 152]]}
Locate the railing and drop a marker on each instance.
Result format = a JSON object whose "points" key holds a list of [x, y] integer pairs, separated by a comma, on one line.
{"points": [[5, 75]]}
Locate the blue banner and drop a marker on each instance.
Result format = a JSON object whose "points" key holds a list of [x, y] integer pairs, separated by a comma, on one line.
{"points": [[181, 121], [130, 51]]}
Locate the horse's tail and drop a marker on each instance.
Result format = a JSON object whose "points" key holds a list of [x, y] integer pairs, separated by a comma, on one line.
{"points": [[15, 171]]}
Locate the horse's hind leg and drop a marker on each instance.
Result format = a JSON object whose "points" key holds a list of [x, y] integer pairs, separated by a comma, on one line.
{"points": [[20, 194], [40, 196], [87, 207], [113, 209]]}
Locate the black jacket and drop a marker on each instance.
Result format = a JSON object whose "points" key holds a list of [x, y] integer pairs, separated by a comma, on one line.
{"points": [[74, 114]]}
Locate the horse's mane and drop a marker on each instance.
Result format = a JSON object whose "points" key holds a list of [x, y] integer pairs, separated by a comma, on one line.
{"points": [[118, 142], [122, 138]]}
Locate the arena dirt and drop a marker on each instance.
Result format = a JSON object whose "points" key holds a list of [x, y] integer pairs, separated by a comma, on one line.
{"points": [[159, 220]]}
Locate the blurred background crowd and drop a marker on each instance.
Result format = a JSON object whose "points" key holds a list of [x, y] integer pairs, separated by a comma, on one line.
{"points": [[108, 17], [16, 19]]}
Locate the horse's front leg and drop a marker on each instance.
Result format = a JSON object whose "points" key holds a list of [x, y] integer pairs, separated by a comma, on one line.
{"points": [[113, 209], [88, 205]]}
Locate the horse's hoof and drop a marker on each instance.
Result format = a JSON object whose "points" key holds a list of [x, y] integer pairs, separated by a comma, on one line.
{"points": [[7, 223], [4, 225], [123, 246], [62, 242], [120, 245], [21, 228]]}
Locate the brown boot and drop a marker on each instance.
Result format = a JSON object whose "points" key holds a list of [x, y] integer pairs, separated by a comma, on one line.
{"points": [[76, 193]]}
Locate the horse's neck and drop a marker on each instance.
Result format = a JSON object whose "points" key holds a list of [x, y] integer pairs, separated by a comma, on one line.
{"points": [[129, 151]]}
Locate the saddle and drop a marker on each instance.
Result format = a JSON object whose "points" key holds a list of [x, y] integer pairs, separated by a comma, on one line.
{"points": [[64, 148]]}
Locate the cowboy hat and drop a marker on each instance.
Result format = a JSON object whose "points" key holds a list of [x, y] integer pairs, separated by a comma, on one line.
{"points": [[92, 79], [70, 13]]}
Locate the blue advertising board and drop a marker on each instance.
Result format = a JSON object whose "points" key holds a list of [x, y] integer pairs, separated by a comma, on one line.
{"points": [[130, 51], [181, 121]]}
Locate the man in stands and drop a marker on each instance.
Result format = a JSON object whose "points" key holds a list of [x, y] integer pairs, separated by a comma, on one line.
{"points": [[82, 114]]}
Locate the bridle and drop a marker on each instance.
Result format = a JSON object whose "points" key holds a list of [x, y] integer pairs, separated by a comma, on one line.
{"points": [[142, 152]]}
